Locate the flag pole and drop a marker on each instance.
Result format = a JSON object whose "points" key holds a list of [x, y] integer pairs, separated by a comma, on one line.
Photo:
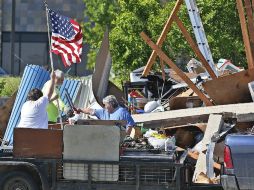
{"points": [[51, 59], [50, 52]]}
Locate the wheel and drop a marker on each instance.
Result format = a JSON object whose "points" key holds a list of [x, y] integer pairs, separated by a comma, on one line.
{"points": [[18, 181]]}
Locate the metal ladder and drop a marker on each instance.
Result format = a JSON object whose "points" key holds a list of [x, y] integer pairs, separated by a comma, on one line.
{"points": [[200, 32]]}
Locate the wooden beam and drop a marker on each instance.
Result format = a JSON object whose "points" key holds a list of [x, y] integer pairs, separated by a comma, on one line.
{"points": [[178, 121], [162, 36], [195, 47], [194, 119], [176, 69], [246, 41], [250, 24], [162, 70], [101, 122], [244, 113], [214, 125]]}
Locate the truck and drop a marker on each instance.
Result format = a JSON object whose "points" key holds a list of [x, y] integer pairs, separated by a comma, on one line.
{"points": [[238, 173], [52, 159]]}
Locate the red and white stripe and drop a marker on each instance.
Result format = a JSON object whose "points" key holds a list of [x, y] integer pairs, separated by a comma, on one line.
{"points": [[70, 50]]}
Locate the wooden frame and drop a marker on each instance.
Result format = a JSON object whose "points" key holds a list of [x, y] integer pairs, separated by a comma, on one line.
{"points": [[161, 39], [178, 71]]}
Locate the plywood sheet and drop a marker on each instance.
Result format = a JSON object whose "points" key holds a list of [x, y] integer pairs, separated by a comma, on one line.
{"points": [[102, 68], [91, 142], [38, 143], [230, 89]]}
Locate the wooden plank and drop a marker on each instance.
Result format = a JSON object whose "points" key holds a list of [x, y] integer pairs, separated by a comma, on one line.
{"points": [[162, 36], [101, 122], [37, 143], [168, 116], [214, 125], [250, 24], [56, 125], [176, 69], [246, 41], [195, 47], [172, 122], [176, 103], [196, 120], [249, 117], [230, 89]]}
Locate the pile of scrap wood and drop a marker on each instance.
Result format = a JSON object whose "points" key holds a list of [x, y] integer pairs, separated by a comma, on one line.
{"points": [[201, 132], [218, 101]]}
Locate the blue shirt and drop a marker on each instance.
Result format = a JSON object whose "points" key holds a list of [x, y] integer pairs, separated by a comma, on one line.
{"points": [[120, 113]]}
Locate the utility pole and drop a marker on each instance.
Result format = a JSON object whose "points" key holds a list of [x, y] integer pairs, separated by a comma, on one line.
{"points": [[13, 12]]}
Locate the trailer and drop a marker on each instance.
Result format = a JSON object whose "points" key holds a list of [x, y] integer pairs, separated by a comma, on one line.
{"points": [[52, 159]]}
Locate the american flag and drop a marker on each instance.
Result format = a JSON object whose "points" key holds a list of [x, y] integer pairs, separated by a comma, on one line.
{"points": [[66, 39]]}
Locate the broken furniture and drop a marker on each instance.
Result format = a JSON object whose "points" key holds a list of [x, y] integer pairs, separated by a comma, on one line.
{"points": [[214, 116]]}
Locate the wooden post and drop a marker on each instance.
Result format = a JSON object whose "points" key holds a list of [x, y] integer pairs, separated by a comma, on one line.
{"points": [[195, 47], [250, 24], [162, 36], [246, 41], [178, 71], [215, 123]]}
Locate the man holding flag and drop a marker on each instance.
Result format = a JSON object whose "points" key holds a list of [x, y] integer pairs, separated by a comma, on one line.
{"points": [[67, 41]]}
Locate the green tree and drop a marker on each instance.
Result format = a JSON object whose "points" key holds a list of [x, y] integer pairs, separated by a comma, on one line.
{"points": [[98, 15], [223, 30], [127, 18]]}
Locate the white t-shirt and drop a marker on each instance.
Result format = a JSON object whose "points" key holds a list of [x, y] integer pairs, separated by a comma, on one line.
{"points": [[34, 114]]}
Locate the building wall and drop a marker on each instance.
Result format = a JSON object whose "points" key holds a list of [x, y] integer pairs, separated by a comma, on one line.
{"points": [[31, 38], [1, 32], [31, 16]]}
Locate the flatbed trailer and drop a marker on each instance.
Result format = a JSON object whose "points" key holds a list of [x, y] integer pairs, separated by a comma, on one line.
{"points": [[47, 174], [52, 159]]}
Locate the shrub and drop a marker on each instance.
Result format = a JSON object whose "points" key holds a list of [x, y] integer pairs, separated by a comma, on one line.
{"points": [[8, 85]]}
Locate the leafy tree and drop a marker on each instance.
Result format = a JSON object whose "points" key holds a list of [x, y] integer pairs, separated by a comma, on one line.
{"points": [[127, 18], [99, 15], [223, 30]]}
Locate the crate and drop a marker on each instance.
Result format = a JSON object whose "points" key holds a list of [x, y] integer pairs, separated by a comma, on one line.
{"points": [[147, 173], [99, 172]]}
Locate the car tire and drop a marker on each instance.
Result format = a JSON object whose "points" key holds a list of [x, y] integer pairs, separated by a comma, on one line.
{"points": [[17, 180]]}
